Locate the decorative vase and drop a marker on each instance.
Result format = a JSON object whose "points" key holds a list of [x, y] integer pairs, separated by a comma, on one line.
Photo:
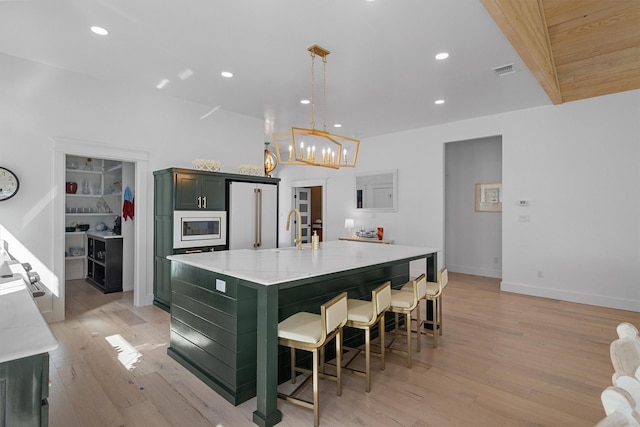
{"points": [[71, 187]]}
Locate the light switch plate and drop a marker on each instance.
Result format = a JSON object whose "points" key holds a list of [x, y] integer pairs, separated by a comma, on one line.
{"points": [[221, 285]]}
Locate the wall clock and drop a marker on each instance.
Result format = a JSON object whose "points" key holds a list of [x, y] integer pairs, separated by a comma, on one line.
{"points": [[9, 184]]}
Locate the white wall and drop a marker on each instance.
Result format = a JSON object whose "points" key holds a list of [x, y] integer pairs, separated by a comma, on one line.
{"points": [[38, 102], [578, 163], [473, 240]]}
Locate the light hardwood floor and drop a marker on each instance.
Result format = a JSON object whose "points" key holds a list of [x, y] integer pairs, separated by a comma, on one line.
{"points": [[504, 360]]}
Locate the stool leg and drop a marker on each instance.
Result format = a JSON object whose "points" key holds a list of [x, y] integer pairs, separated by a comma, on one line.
{"points": [[436, 323], [418, 307], [293, 365], [397, 323], [339, 361], [408, 322], [440, 313], [316, 403], [382, 346], [367, 353]]}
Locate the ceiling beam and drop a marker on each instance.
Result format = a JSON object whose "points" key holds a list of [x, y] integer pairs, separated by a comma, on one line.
{"points": [[524, 25]]}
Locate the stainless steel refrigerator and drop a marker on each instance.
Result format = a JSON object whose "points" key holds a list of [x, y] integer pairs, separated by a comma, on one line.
{"points": [[253, 215]]}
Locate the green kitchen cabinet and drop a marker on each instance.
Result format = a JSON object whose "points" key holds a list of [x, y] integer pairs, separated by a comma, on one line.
{"points": [[178, 189], [24, 390], [199, 191]]}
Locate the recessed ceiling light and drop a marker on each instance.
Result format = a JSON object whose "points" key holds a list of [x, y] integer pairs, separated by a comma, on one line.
{"points": [[226, 74], [338, 125], [439, 101], [162, 83], [305, 101], [99, 30], [442, 55], [185, 74]]}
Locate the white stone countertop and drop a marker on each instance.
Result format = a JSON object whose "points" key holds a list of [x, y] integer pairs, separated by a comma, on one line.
{"points": [[23, 330], [275, 266], [367, 240], [104, 234]]}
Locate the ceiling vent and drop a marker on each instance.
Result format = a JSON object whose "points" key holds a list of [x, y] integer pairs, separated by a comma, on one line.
{"points": [[504, 70]]}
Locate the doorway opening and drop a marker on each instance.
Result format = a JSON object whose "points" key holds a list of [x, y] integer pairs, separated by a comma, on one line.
{"points": [[99, 225], [473, 239], [134, 171], [308, 197]]}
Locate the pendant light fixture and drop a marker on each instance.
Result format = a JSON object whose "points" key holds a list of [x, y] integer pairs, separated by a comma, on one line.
{"points": [[311, 146], [270, 160]]}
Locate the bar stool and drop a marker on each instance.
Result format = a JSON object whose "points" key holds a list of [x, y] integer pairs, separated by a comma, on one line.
{"points": [[311, 332], [364, 315], [404, 302], [433, 293]]}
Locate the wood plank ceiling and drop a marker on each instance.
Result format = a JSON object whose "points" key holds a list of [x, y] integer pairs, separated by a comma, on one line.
{"points": [[577, 49]]}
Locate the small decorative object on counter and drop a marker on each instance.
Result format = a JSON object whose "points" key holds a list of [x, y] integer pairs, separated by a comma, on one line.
{"points": [[380, 233], [251, 170], [207, 165]]}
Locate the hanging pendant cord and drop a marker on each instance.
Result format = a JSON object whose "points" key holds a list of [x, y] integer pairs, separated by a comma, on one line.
{"points": [[313, 79], [324, 92]]}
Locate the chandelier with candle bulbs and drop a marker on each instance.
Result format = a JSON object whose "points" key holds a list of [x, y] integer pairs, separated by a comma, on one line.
{"points": [[311, 146]]}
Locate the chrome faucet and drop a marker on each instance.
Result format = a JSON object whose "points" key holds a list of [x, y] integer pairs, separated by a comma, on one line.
{"points": [[297, 240]]}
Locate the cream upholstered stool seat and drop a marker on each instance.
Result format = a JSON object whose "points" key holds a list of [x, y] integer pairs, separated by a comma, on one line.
{"points": [[365, 315], [311, 332], [404, 302], [625, 351], [616, 400], [433, 294]]}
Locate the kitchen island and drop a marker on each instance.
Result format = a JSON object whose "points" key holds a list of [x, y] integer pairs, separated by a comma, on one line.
{"points": [[226, 307]]}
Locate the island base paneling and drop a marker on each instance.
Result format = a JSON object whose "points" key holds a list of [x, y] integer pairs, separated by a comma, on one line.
{"points": [[24, 391], [213, 333]]}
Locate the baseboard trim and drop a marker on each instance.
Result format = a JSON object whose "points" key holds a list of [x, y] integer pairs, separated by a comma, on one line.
{"points": [[475, 271], [579, 297]]}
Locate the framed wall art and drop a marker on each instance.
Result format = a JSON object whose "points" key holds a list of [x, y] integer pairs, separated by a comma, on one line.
{"points": [[488, 197]]}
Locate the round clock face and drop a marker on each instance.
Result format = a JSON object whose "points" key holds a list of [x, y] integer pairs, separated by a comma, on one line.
{"points": [[9, 184]]}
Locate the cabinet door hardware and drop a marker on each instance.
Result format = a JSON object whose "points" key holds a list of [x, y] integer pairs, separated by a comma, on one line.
{"points": [[193, 251]]}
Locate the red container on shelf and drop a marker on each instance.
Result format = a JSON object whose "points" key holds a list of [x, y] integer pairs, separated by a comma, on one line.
{"points": [[380, 233], [72, 187]]}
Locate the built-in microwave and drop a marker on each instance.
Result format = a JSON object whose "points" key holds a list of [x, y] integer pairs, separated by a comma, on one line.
{"points": [[199, 228]]}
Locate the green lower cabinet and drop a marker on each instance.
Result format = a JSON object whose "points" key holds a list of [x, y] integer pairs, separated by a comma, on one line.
{"points": [[213, 331], [162, 283], [24, 390]]}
